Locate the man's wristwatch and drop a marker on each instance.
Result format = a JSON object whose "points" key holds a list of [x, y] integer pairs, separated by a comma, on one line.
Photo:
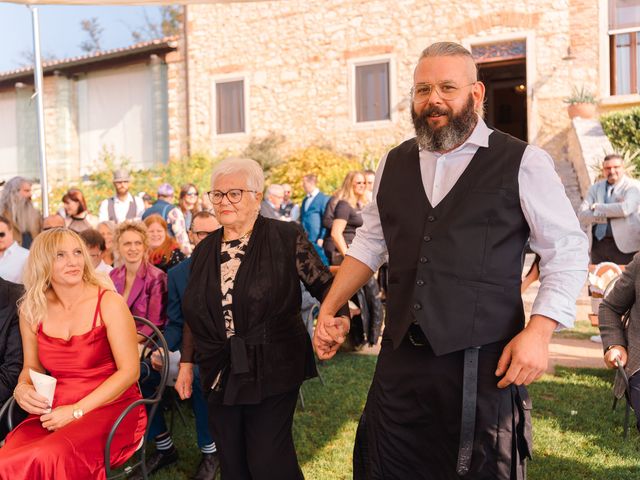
{"points": [[77, 413]]}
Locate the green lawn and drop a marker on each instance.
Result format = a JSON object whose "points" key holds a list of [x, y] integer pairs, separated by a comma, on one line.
{"points": [[582, 330], [576, 435]]}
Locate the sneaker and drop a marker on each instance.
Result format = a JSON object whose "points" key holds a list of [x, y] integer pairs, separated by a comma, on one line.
{"points": [[155, 462], [596, 338], [208, 467]]}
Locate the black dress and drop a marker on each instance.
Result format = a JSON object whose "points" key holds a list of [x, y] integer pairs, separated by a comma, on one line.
{"points": [[353, 217]]}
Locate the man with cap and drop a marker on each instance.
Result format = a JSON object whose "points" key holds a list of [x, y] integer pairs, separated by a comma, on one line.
{"points": [[172, 215], [122, 206]]}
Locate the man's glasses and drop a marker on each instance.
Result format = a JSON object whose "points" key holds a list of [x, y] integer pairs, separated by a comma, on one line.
{"points": [[234, 195], [421, 92], [201, 234]]}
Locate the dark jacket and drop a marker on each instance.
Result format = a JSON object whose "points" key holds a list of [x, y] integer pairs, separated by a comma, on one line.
{"points": [[177, 279], [10, 341], [271, 351]]}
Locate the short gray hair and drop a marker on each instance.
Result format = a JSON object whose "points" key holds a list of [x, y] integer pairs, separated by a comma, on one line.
{"points": [[275, 189], [447, 49], [245, 166]]}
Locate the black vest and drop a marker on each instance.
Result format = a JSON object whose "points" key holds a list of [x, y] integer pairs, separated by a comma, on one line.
{"points": [[455, 269]]}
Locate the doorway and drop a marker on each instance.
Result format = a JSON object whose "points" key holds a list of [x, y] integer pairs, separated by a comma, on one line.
{"points": [[506, 95]]}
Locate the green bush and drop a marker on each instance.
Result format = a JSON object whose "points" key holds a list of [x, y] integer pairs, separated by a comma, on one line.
{"points": [[195, 169], [623, 129], [330, 166]]}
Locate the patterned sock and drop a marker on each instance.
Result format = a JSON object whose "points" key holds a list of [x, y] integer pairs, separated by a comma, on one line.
{"points": [[164, 442], [211, 448]]}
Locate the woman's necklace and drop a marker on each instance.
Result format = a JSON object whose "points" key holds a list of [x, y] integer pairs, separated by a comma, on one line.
{"points": [[224, 239]]}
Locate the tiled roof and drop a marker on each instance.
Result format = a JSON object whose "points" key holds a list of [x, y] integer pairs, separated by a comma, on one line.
{"points": [[160, 43]]}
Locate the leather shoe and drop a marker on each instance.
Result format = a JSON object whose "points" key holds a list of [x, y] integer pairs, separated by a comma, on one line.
{"points": [[155, 462], [209, 465]]}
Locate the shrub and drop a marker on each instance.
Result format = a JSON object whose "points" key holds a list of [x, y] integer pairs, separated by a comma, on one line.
{"points": [[330, 166], [623, 129], [266, 151]]}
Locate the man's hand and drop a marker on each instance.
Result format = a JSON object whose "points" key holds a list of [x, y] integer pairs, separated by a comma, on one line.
{"points": [[58, 418], [184, 382], [526, 356], [329, 334], [156, 359], [618, 352]]}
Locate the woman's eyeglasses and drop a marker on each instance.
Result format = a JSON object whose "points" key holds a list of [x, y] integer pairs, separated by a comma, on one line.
{"points": [[234, 195]]}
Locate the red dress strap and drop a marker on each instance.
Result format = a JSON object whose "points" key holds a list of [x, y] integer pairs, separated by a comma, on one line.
{"points": [[97, 312]]}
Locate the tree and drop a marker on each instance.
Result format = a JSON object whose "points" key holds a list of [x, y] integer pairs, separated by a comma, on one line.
{"points": [[28, 58], [94, 30], [169, 24]]}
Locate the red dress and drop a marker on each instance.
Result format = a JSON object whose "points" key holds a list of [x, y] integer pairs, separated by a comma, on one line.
{"points": [[76, 451]]}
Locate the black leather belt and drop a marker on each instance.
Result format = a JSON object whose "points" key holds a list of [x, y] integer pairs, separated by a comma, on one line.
{"points": [[469, 397]]}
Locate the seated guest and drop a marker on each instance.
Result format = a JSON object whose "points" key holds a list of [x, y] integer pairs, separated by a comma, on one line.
{"points": [[96, 247], [144, 287], [75, 213], [203, 223], [83, 335], [53, 221], [10, 343], [622, 342], [242, 310], [107, 229], [12, 256], [164, 251]]}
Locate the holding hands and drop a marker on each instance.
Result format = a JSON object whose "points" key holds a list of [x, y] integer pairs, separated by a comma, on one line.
{"points": [[329, 334]]}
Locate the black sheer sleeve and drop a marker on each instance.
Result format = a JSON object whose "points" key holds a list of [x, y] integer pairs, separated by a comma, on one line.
{"points": [[314, 274]]}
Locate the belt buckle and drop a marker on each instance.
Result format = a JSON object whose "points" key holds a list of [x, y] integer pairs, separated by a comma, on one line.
{"points": [[414, 342]]}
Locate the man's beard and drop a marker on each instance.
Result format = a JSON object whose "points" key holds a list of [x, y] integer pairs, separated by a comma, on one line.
{"points": [[449, 136], [25, 216]]}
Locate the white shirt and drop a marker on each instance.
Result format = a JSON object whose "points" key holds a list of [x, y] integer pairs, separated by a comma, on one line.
{"points": [[312, 195], [12, 263], [103, 267], [555, 232], [121, 207]]}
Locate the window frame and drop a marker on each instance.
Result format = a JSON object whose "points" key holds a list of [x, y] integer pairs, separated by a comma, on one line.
{"points": [[214, 104], [634, 64], [353, 90]]}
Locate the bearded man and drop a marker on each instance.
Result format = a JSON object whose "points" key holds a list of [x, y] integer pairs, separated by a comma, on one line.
{"points": [[448, 398], [16, 205]]}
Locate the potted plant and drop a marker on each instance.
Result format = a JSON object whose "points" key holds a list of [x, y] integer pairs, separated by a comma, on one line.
{"points": [[582, 103]]}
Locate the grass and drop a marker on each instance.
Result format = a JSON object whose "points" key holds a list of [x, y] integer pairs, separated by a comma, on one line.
{"points": [[576, 434], [582, 330]]}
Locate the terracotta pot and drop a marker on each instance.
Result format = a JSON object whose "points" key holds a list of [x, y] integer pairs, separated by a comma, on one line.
{"points": [[582, 110]]}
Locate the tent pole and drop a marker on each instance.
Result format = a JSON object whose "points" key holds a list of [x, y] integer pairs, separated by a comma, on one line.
{"points": [[37, 73]]}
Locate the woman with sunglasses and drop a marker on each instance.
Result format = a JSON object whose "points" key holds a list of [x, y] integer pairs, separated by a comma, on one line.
{"points": [[188, 203], [242, 314]]}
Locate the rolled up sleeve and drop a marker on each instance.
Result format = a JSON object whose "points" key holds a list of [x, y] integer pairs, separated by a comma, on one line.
{"points": [[555, 236]]}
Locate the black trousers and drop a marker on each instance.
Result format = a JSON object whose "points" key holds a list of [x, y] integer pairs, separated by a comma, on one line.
{"points": [[410, 428], [605, 250], [634, 394], [255, 442]]}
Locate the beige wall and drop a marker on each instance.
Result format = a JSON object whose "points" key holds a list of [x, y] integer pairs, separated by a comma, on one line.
{"points": [[297, 59]]}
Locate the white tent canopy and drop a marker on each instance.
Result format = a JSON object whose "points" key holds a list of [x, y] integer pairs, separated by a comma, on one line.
{"points": [[120, 2]]}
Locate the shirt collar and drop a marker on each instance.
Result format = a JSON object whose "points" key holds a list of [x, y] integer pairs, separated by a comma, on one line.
{"points": [[128, 200], [313, 193]]}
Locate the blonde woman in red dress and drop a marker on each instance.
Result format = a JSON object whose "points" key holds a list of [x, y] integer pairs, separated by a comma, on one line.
{"points": [[79, 331]]}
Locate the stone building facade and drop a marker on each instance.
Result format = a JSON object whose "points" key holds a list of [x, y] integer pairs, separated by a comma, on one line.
{"points": [[295, 64]]}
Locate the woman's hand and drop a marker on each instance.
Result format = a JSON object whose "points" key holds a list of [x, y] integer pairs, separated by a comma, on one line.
{"points": [[618, 352], [30, 400], [329, 334], [58, 418], [184, 381]]}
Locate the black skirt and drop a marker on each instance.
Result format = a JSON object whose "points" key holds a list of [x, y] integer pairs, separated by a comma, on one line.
{"points": [[410, 428]]}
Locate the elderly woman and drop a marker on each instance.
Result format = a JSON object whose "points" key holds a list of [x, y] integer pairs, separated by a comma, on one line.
{"points": [[81, 333], [242, 309]]}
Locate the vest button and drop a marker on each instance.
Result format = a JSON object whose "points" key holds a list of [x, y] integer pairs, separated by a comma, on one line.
{"points": [[420, 283], [431, 218], [417, 306], [424, 260], [426, 238]]}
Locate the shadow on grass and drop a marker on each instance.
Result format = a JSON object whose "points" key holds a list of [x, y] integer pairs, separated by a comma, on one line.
{"points": [[552, 467]]}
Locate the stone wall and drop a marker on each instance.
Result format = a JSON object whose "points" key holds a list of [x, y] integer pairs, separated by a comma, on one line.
{"points": [[297, 58]]}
